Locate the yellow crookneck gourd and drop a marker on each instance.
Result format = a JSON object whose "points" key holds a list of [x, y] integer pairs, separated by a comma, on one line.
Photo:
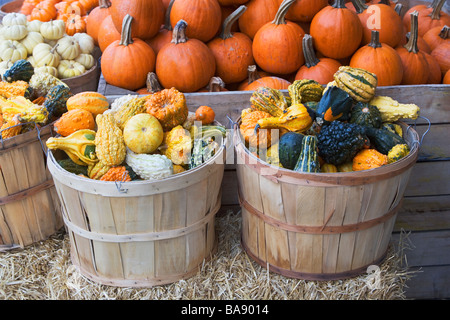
{"points": [[79, 146], [26, 110], [295, 118]]}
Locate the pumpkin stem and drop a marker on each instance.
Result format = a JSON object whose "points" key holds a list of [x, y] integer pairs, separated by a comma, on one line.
{"points": [[398, 8], [179, 32], [104, 4], [152, 83], [444, 32], [282, 10], [375, 39], [167, 24], [411, 45], [359, 6], [125, 36], [436, 13], [340, 4], [229, 21], [215, 84], [253, 74], [308, 51]]}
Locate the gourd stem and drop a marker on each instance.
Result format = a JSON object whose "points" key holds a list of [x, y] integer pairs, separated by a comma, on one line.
{"points": [[152, 83], [282, 10], [253, 74], [375, 39], [311, 59], [167, 24], [125, 36], [436, 13], [339, 4], [359, 5], [398, 8], [444, 32], [104, 4], [229, 21], [411, 45], [179, 32], [215, 84]]}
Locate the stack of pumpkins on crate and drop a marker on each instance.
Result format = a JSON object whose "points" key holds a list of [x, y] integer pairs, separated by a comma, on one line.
{"points": [[147, 137], [269, 42], [340, 128]]}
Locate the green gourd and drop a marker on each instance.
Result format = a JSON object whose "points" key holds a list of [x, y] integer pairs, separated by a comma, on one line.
{"points": [[308, 160], [269, 100], [20, 70], [289, 147], [56, 99], [365, 114]]}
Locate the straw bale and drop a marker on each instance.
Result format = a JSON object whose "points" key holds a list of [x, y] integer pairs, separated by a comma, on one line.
{"points": [[43, 271]]}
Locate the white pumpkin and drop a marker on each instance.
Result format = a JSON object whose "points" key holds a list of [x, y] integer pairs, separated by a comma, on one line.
{"points": [[34, 25], [32, 60], [14, 32], [14, 18], [46, 55], [51, 70], [69, 69], [85, 41], [53, 29], [12, 50], [5, 65], [86, 59], [68, 48], [31, 40]]}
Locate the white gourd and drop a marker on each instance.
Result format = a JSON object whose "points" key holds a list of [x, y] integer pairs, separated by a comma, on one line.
{"points": [[12, 50], [31, 40], [68, 48], [53, 29], [14, 18], [46, 55], [149, 166], [69, 69], [32, 61], [87, 60], [14, 32], [34, 26], [50, 70], [85, 41]]}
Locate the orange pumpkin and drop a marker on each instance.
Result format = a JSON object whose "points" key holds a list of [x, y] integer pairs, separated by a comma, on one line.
{"points": [[258, 13], [205, 115], [95, 18], [164, 35], [436, 36], [43, 11], [432, 17], [304, 10], [74, 120], [434, 70], [138, 56], [107, 33], [446, 79], [75, 24], [442, 55], [152, 85]]}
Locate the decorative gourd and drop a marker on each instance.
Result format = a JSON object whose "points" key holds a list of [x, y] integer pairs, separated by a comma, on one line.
{"points": [[232, 50], [139, 56], [95, 18], [380, 59], [43, 11], [202, 16], [272, 156], [150, 166], [143, 133], [86, 60], [72, 167], [436, 36], [308, 160], [269, 100], [56, 99], [284, 35], [335, 104], [70, 69], [12, 50], [46, 55], [128, 110], [393, 127], [306, 90], [5, 65], [369, 159], [305, 10], [15, 88], [68, 48], [168, 106], [92, 101], [397, 152], [179, 145], [97, 170], [391, 110], [109, 142], [296, 118], [383, 140], [186, 64], [442, 55], [14, 32], [339, 142], [34, 26], [360, 84], [119, 173], [42, 82], [365, 114], [205, 114], [53, 29], [328, 168], [74, 120], [79, 146], [263, 138], [318, 69], [336, 30], [31, 40], [415, 65], [258, 13], [289, 147], [14, 18], [11, 128], [148, 16], [85, 41]]}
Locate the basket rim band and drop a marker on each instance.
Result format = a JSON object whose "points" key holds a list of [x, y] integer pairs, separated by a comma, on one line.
{"points": [[324, 229], [27, 192]]}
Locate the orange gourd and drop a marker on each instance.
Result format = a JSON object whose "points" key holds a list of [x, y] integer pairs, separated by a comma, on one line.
{"points": [[262, 138], [380, 59], [321, 70], [277, 46], [43, 11], [95, 18], [304, 10], [436, 36], [337, 31], [258, 13], [148, 16], [92, 101], [232, 51], [75, 24], [74, 120], [119, 173], [369, 159], [186, 64], [138, 56], [442, 55], [205, 114]]}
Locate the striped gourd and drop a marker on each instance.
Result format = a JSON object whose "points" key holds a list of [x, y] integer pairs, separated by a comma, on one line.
{"points": [[305, 90], [129, 109], [308, 161], [269, 100], [360, 84]]}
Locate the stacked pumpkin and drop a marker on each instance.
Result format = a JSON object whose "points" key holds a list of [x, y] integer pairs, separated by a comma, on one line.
{"points": [[266, 42], [136, 138], [342, 127], [46, 45]]}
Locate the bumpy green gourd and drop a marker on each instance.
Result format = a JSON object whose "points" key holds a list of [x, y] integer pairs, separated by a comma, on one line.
{"points": [[269, 100], [308, 160], [20, 70], [359, 83]]}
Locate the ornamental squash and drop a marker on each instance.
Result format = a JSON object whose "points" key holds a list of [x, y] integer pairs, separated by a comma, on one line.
{"points": [[360, 84], [20, 70], [97, 170], [128, 110], [92, 101], [391, 110], [305, 90], [143, 133], [74, 120], [42, 82], [149, 166], [15, 88], [109, 142], [308, 160], [365, 114], [289, 147], [397, 152], [328, 168], [79, 146], [296, 118], [262, 139], [179, 145], [383, 139], [11, 128], [269, 100], [27, 110], [119, 173], [56, 99], [335, 104], [72, 167], [368, 159]]}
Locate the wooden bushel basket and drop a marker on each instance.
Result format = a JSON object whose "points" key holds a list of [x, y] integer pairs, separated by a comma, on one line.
{"points": [[141, 233], [29, 204], [319, 226]]}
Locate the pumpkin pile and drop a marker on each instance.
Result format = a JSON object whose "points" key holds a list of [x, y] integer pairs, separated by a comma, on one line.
{"points": [[47, 45], [147, 137], [342, 127]]}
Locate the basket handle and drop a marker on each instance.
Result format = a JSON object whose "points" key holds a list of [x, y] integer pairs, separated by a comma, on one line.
{"points": [[420, 142]]}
